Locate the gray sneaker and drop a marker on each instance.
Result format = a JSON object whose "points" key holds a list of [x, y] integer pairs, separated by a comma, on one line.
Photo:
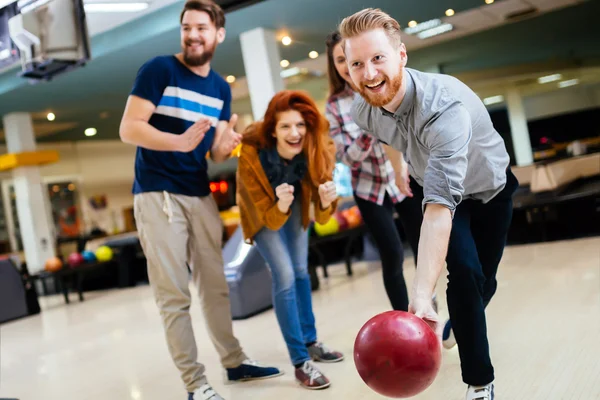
{"points": [[310, 377], [318, 352]]}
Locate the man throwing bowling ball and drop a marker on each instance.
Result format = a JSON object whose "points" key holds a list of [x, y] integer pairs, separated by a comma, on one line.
{"points": [[437, 130]]}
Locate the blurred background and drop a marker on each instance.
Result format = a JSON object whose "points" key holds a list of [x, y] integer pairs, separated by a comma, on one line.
{"points": [[66, 177]]}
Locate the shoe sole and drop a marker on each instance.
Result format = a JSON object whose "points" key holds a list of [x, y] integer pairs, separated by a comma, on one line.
{"points": [[317, 359], [448, 346], [315, 388], [260, 378]]}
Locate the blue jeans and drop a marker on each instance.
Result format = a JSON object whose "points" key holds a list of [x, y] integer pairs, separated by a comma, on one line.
{"points": [[286, 253]]}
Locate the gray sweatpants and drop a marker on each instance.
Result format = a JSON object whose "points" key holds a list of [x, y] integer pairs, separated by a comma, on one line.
{"points": [[175, 230]]}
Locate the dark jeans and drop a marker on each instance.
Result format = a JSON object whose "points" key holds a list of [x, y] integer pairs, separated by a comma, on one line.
{"points": [[476, 245], [380, 222]]}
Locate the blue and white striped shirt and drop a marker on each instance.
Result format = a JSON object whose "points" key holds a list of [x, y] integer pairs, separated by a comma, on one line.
{"points": [[181, 98]]}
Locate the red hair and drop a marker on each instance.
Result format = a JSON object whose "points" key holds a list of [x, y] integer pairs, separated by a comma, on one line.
{"points": [[318, 148]]}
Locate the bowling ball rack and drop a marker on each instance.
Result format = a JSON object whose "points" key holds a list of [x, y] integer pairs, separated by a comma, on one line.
{"points": [[349, 237], [70, 277]]}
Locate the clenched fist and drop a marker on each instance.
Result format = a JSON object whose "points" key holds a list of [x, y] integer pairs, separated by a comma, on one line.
{"points": [[285, 194], [327, 193]]}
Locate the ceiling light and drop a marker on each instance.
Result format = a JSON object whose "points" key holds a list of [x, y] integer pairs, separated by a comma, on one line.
{"points": [[114, 7], [489, 1], [570, 82], [51, 116], [313, 54], [412, 24], [288, 73], [438, 30], [230, 78], [493, 100], [286, 40], [90, 132], [423, 26], [284, 63], [449, 12], [549, 78]]}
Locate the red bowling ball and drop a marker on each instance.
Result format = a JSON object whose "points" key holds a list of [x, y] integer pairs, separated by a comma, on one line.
{"points": [[75, 259], [397, 354]]}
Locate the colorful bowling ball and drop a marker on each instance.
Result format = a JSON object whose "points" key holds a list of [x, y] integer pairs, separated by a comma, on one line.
{"points": [[329, 228], [342, 221], [53, 264], [88, 256], [397, 354], [352, 217], [104, 253], [75, 259]]}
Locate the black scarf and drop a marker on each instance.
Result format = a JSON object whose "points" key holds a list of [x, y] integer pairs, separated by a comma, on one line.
{"points": [[280, 171]]}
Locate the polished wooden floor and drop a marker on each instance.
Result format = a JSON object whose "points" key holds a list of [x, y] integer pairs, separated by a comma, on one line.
{"points": [[544, 327]]}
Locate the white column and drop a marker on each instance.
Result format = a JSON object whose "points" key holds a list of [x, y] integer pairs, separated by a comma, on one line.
{"points": [[434, 69], [518, 128], [263, 72], [33, 204]]}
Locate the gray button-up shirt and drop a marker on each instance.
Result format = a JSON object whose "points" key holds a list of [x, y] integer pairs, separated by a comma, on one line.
{"points": [[446, 136]]}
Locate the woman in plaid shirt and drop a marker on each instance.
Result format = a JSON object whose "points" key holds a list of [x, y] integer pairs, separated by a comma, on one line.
{"points": [[373, 179]]}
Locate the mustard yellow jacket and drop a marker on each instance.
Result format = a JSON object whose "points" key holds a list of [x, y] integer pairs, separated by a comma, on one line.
{"points": [[258, 203]]}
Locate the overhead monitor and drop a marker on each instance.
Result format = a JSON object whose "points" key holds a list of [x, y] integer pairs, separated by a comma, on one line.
{"points": [[51, 37], [9, 53]]}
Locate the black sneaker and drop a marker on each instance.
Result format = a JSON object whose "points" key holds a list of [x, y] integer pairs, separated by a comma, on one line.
{"points": [[250, 370], [318, 352]]}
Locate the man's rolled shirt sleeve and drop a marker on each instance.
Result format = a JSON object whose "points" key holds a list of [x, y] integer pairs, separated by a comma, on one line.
{"points": [[447, 137]]}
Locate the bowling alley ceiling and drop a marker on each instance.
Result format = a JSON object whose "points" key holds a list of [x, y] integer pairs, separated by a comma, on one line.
{"points": [[487, 42]]}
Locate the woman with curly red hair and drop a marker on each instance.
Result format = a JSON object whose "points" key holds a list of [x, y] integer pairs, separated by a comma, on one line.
{"points": [[285, 164]]}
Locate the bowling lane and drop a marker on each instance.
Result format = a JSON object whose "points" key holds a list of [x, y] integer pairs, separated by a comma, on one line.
{"points": [[112, 345]]}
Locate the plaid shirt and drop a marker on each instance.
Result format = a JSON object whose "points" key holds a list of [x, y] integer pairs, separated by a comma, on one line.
{"points": [[372, 172]]}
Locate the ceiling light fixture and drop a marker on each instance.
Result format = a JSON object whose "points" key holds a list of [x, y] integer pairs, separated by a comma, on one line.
{"points": [[51, 116], [230, 78], [288, 73], [489, 1], [412, 24], [549, 78], [90, 132], [423, 26], [286, 40], [313, 54], [438, 30], [570, 82], [284, 63], [449, 12], [493, 100], [114, 7]]}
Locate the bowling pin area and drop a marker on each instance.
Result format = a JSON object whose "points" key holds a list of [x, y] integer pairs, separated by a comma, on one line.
{"points": [[543, 325]]}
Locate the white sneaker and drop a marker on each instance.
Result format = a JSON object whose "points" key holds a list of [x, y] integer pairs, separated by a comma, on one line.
{"points": [[205, 392], [481, 392], [448, 339]]}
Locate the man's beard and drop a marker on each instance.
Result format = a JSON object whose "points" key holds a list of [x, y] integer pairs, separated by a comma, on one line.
{"points": [[197, 60], [383, 98]]}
